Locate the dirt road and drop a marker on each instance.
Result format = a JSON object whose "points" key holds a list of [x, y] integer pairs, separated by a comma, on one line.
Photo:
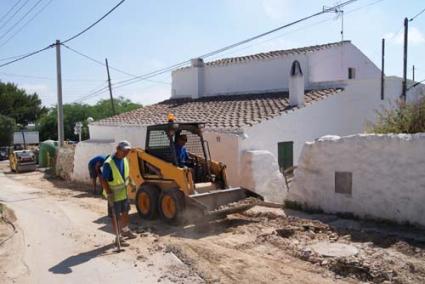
{"points": [[61, 239], [63, 236]]}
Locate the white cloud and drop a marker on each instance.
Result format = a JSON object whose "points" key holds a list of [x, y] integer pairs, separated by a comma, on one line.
{"points": [[276, 9], [415, 37]]}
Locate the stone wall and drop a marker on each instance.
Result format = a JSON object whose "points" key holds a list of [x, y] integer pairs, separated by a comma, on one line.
{"points": [[65, 162], [372, 176], [260, 173]]}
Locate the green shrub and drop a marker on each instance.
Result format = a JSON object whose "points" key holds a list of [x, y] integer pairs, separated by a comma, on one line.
{"points": [[403, 118]]}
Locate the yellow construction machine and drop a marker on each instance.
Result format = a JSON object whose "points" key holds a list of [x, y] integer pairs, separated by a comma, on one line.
{"points": [[175, 192], [22, 161]]}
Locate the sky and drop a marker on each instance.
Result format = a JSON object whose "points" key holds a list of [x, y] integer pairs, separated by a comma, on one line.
{"points": [[142, 36]]}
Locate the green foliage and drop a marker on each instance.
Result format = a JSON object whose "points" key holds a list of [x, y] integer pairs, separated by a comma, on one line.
{"points": [[404, 118], [17, 104], [47, 125], [7, 127]]}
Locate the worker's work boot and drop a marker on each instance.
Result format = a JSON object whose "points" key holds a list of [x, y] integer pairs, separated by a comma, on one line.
{"points": [[128, 234], [123, 243]]}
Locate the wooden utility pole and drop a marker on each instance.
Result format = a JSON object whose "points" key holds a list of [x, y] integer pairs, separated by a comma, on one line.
{"points": [[110, 87], [406, 30], [383, 70], [59, 83]]}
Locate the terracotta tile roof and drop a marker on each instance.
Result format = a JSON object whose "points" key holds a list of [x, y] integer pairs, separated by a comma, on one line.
{"points": [[221, 113], [273, 54]]}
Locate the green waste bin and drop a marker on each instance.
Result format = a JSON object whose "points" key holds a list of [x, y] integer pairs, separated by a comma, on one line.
{"points": [[47, 153]]}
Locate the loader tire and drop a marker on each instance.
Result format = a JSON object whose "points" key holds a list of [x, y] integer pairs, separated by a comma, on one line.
{"points": [[147, 202], [171, 206]]}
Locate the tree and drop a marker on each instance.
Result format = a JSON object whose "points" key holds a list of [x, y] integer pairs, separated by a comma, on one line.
{"points": [[404, 118], [47, 125], [17, 104], [7, 127]]}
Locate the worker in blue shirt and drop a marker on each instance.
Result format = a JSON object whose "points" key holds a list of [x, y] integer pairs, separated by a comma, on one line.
{"points": [[94, 166], [181, 152]]}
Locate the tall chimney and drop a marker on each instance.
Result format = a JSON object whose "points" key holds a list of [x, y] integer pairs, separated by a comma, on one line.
{"points": [[198, 77], [296, 85]]}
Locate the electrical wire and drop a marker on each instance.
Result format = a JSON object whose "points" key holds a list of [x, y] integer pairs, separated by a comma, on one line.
{"points": [[104, 65], [26, 23], [95, 23], [27, 55], [65, 41], [8, 11], [48, 78], [21, 19], [417, 15], [16, 12]]}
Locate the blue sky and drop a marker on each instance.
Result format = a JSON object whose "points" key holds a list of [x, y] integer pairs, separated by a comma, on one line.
{"points": [[145, 35]]}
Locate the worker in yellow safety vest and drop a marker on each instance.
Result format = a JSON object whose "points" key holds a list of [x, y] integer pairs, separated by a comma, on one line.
{"points": [[115, 179]]}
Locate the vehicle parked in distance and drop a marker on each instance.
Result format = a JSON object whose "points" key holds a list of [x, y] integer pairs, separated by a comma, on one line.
{"points": [[22, 161]]}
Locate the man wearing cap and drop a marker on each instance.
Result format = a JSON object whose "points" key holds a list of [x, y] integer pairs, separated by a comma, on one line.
{"points": [[115, 179]]}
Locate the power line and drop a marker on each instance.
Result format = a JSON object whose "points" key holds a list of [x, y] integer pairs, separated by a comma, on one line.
{"points": [[16, 12], [21, 19], [47, 78], [417, 15], [95, 23], [8, 11], [110, 67], [67, 40], [27, 55], [26, 23]]}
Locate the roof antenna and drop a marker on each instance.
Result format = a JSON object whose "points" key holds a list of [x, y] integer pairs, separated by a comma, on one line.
{"points": [[339, 14]]}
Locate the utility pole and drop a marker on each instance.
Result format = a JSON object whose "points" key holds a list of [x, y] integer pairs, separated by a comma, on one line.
{"points": [[413, 73], [383, 70], [110, 88], [59, 82], [406, 30]]}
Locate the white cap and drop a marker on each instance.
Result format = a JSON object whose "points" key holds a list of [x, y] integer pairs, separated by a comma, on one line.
{"points": [[124, 145]]}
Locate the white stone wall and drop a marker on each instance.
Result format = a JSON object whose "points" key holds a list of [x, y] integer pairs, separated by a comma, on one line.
{"points": [[84, 152], [260, 173], [135, 134], [64, 166], [268, 75], [388, 180]]}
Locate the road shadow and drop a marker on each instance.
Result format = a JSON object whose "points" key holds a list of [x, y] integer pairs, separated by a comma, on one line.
{"points": [[65, 266]]}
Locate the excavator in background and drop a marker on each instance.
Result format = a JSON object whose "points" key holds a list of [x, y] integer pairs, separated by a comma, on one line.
{"points": [[174, 193]]}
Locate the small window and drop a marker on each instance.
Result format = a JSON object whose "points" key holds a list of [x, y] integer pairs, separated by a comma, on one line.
{"points": [[218, 139], [343, 182], [351, 73]]}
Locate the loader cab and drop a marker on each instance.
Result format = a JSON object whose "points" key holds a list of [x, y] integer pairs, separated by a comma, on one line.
{"points": [[161, 142]]}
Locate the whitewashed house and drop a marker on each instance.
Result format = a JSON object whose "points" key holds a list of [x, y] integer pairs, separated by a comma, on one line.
{"points": [[260, 109]]}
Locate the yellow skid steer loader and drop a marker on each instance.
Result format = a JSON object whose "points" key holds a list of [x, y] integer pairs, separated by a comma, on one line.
{"points": [[175, 192]]}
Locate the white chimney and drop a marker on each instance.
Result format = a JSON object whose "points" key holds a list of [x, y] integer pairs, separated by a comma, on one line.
{"points": [[296, 85], [198, 77]]}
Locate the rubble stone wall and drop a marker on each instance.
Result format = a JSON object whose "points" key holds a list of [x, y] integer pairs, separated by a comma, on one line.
{"points": [[372, 176], [65, 162]]}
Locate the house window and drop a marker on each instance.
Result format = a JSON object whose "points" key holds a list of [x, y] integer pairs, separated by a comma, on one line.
{"points": [[344, 182], [285, 153], [351, 73]]}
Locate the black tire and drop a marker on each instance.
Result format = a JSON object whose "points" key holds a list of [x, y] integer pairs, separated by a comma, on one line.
{"points": [[147, 193], [172, 214]]}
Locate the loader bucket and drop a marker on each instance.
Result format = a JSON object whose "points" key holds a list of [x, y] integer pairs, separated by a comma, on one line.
{"points": [[217, 203]]}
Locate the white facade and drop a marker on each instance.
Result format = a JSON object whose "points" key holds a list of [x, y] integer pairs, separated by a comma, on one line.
{"points": [[267, 75], [387, 176]]}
